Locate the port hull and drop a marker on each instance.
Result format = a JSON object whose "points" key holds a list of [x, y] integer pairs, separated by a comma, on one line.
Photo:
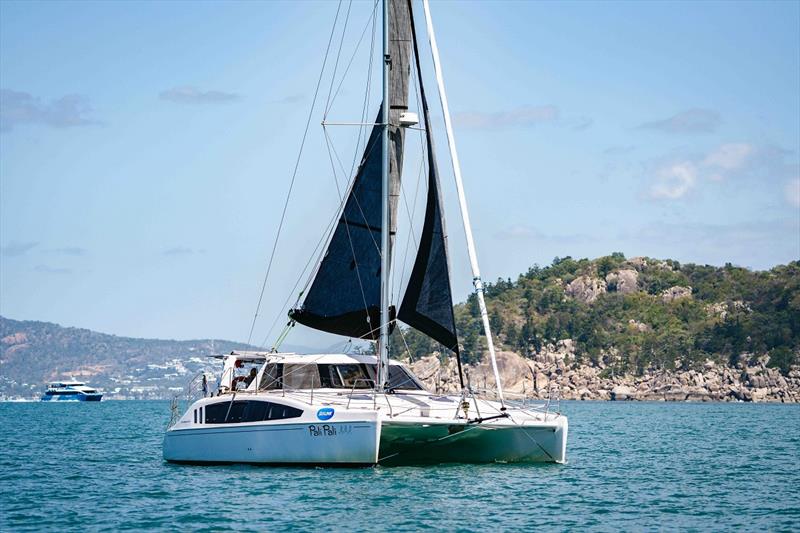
{"points": [[346, 443]]}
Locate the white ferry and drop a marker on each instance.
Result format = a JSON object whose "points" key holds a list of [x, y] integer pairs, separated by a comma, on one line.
{"points": [[76, 391]]}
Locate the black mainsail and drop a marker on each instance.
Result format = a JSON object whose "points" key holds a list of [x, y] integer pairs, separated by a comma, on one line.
{"points": [[345, 295]]}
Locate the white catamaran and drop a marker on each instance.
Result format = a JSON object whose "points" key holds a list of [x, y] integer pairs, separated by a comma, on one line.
{"points": [[363, 409]]}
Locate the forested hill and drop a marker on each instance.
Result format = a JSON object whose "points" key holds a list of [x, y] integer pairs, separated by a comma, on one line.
{"points": [[33, 352], [638, 314]]}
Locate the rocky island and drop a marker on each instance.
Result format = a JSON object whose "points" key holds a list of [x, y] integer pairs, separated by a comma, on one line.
{"points": [[631, 329], [611, 328]]}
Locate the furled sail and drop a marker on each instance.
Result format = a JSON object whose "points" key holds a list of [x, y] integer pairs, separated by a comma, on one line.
{"points": [[428, 301], [345, 296]]}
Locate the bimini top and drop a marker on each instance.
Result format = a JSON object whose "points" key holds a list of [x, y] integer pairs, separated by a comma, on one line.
{"points": [[59, 384]]}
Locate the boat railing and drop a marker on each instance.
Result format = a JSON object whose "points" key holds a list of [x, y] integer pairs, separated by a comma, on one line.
{"points": [[195, 388], [553, 399], [366, 381]]}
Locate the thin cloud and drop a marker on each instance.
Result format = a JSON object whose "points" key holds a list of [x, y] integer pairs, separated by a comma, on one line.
{"points": [[290, 99], [47, 269], [524, 232], [756, 244], [181, 250], [521, 117], [689, 121], [674, 178], [582, 123], [70, 250], [727, 158], [16, 249], [193, 95], [18, 108]]}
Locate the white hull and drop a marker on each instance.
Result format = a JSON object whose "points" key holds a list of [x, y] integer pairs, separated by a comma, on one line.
{"points": [[364, 431], [345, 443]]}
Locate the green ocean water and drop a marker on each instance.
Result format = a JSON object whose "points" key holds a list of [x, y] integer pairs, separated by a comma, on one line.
{"points": [[632, 467]]}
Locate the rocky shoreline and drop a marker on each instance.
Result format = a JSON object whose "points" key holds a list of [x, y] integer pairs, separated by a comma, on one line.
{"points": [[550, 375]]}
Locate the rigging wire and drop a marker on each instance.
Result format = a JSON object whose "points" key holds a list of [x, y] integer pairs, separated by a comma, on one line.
{"points": [[332, 224], [367, 89], [355, 199], [347, 226], [371, 19], [314, 255], [423, 160], [294, 175], [336, 63]]}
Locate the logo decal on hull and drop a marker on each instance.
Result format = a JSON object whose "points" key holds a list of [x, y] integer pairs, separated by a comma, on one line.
{"points": [[326, 413]]}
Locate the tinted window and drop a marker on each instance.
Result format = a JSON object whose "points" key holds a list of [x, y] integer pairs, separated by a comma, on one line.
{"points": [[329, 377], [215, 413], [400, 379], [300, 376], [272, 377], [354, 376], [248, 411]]}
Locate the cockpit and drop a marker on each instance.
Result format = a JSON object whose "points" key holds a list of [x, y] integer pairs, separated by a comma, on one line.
{"points": [[333, 376], [265, 372]]}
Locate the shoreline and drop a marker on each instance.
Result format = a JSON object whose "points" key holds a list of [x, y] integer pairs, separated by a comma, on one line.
{"points": [[550, 376]]}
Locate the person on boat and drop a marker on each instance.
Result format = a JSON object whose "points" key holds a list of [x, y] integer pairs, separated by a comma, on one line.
{"points": [[249, 379], [235, 381], [205, 386]]}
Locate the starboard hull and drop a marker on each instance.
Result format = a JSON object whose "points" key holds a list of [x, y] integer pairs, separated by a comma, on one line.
{"points": [[425, 444]]}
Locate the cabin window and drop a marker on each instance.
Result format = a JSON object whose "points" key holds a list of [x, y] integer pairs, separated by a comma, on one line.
{"points": [[332, 376], [272, 377], [355, 376], [195, 416], [401, 379], [248, 411], [329, 377], [302, 376]]}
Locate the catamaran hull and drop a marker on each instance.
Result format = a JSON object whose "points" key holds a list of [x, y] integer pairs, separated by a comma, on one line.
{"points": [[345, 443], [415, 444], [368, 443]]}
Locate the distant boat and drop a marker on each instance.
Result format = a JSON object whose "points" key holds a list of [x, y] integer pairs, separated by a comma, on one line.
{"points": [[75, 391]]}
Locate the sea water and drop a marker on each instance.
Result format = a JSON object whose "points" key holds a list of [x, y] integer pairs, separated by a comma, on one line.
{"points": [[632, 467]]}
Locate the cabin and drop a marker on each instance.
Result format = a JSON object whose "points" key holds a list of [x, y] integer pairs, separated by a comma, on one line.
{"points": [[288, 371]]}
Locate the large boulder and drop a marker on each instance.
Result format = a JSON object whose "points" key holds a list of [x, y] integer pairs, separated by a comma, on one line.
{"points": [[586, 289], [621, 392], [624, 281], [676, 293]]}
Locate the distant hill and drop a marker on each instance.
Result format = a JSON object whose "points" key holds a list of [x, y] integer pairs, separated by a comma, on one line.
{"points": [[623, 316], [636, 315], [32, 353]]}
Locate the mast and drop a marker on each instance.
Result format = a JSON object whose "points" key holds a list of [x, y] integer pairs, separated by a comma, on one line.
{"points": [[383, 340], [462, 201]]}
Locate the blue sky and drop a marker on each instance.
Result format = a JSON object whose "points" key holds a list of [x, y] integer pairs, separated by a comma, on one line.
{"points": [[146, 148]]}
